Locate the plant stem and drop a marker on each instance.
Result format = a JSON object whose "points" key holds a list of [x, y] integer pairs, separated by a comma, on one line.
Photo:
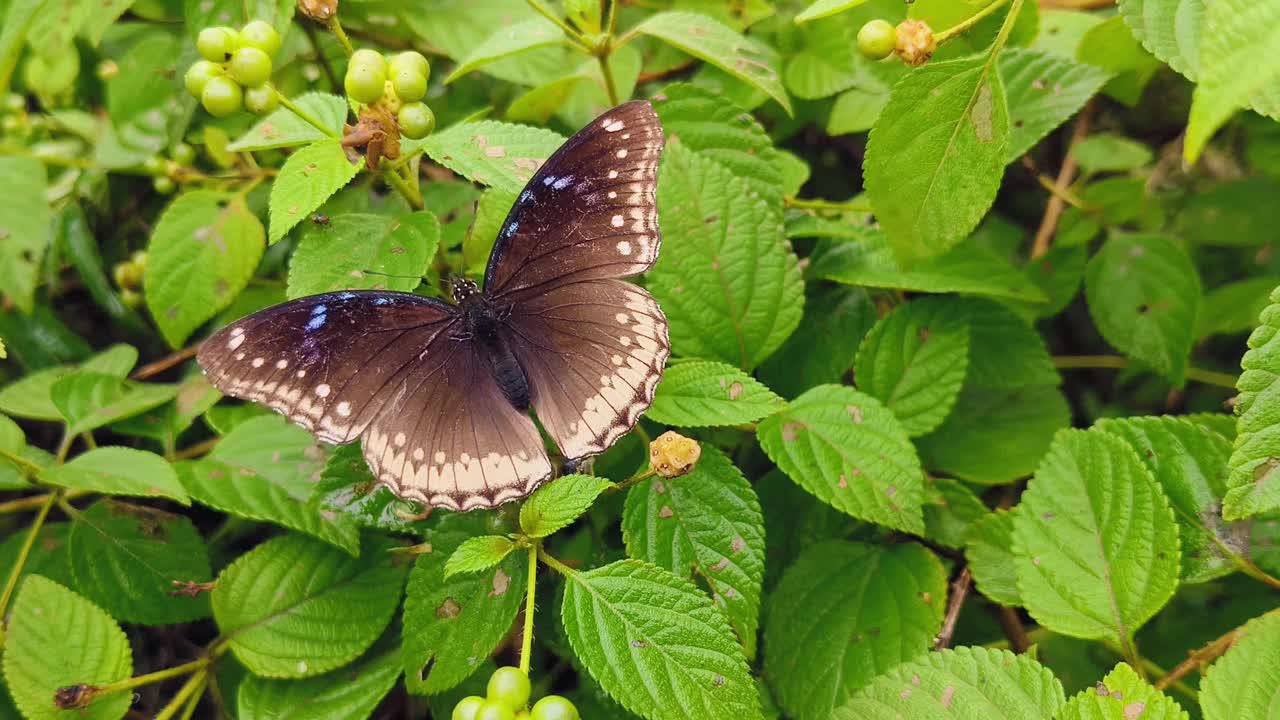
{"points": [[526, 645], [636, 479], [64, 445], [855, 205], [1116, 362], [155, 677], [1248, 568], [304, 115], [568, 30], [29, 469], [1199, 657], [610, 87], [1062, 193], [972, 20], [555, 564], [194, 702], [12, 583], [611, 17], [335, 27], [1129, 650], [189, 688], [398, 183]]}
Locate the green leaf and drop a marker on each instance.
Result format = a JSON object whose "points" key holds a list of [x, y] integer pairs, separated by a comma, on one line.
{"points": [[856, 110], [452, 625], [707, 523], [457, 29], [968, 683], [127, 559], [966, 268], [1004, 350], [347, 487], [1252, 486], [702, 393], [350, 692], [25, 224], [826, 63], [478, 553], [825, 343], [1105, 152], [1190, 463], [1237, 67], [283, 128], [950, 510], [507, 42], [843, 614], [1110, 46], [1095, 540], [914, 361], [495, 154], [727, 277], [707, 39], [934, 158], [120, 471], [1245, 681], [1169, 29], [293, 607], [88, 400], [202, 253], [56, 638], [1043, 91], [823, 8], [1144, 296], [558, 503], [994, 436], [13, 442], [1235, 213], [351, 250], [656, 643], [308, 178], [849, 451], [1121, 695], [989, 552]]}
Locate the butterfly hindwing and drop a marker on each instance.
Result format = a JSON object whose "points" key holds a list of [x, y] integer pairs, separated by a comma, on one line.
{"points": [[589, 212]]}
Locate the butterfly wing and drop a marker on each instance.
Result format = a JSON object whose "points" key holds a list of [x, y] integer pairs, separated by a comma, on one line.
{"points": [[588, 212], [390, 367]]}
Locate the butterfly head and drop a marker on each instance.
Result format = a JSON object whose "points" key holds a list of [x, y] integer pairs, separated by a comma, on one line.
{"points": [[461, 288]]}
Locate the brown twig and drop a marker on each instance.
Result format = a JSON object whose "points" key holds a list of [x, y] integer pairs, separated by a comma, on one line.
{"points": [[174, 358], [1199, 658], [1012, 626], [959, 591], [1066, 175]]}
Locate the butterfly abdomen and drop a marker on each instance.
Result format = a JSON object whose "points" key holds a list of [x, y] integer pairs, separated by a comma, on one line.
{"points": [[503, 365]]}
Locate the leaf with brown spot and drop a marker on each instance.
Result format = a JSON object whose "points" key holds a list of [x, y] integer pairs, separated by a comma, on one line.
{"points": [[1122, 695], [308, 178]]}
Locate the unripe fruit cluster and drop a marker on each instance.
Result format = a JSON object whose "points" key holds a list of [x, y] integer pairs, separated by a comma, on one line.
{"points": [[235, 71], [912, 40], [399, 83], [508, 699], [128, 277], [165, 171]]}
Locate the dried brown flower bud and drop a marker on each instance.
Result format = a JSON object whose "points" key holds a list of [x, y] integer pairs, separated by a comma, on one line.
{"points": [[916, 42], [74, 697], [672, 454], [319, 10]]}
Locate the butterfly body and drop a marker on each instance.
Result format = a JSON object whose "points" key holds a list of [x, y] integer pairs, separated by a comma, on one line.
{"points": [[438, 393]]}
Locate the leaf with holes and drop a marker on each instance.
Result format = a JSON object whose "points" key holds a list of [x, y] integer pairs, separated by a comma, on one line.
{"points": [[989, 552], [1095, 541], [364, 251], [1121, 695], [849, 451], [968, 683], [1245, 681], [1143, 293], [350, 692], [294, 607], [283, 128], [914, 361], [306, 180], [843, 614], [127, 558], [727, 278], [202, 253], [55, 638], [452, 625], [492, 153], [1254, 483], [701, 393], [120, 471], [25, 228], [1043, 90], [707, 523], [935, 156], [656, 644], [707, 39], [478, 553], [559, 502]]}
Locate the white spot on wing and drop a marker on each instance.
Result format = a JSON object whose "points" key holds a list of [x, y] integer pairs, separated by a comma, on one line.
{"points": [[624, 247], [613, 125], [344, 408], [617, 221], [323, 390], [237, 339], [282, 364], [622, 153], [257, 362]]}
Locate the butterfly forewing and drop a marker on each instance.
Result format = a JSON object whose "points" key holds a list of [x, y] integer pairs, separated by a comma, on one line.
{"points": [[589, 212]]}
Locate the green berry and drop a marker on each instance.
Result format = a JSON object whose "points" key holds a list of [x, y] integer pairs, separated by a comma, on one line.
{"points": [[14, 103], [411, 60], [365, 83], [416, 120], [260, 34], [139, 258], [554, 707], [523, 715], [409, 84], [200, 72], [127, 275], [509, 686], [131, 298], [877, 39], [494, 710], [221, 96], [467, 708], [217, 44], [183, 154], [371, 58], [106, 70], [250, 67], [164, 185], [261, 100], [154, 165]]}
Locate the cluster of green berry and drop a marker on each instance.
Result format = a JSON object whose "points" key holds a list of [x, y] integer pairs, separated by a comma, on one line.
{"points": [[508, 699], [14, 114], [235, 71], [398, 83], [165, 171], [913, 41], [128, 277]]}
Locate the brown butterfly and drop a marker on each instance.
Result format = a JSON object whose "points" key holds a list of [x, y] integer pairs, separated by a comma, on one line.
{"points": [[439, 393]]}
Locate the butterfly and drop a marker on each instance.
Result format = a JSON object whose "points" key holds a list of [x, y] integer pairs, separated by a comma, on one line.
{"points": [[439, 393]]}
